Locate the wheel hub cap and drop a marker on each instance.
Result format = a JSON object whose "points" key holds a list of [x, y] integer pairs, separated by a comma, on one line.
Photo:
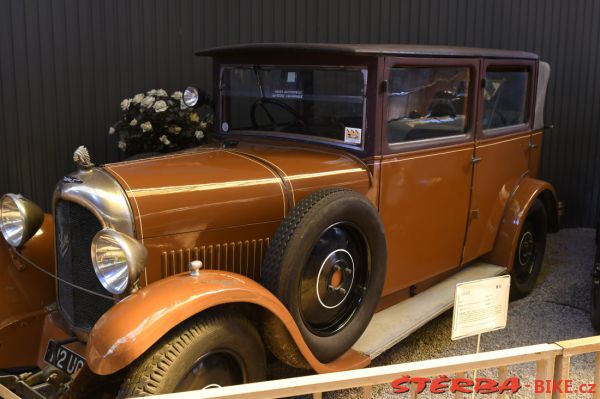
{"points": [[526, 249], [335, 278], [212, 370]]}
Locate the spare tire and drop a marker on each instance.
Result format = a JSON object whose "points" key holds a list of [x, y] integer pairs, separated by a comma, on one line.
{"points": [[327, 265]]}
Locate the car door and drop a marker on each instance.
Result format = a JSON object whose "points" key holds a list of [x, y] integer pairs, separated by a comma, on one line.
{"points": [[502, 147], [426, 167]]}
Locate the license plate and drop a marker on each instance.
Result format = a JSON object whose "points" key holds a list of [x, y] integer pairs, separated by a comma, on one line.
{"points": [[63, 358]]}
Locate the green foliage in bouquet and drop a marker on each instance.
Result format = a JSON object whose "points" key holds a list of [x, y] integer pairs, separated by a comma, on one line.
{"points": [[157, 122]]}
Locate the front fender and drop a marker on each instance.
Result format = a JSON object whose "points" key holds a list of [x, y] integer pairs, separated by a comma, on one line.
{"points": [[133, 325], [516, 210], [24, 293]]}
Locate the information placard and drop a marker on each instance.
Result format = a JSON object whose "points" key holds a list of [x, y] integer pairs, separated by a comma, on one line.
{"points": [[480, 306]]}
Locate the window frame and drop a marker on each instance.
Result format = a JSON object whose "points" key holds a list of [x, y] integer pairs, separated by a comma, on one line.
{"points": [[471, 115], [520, 128]]}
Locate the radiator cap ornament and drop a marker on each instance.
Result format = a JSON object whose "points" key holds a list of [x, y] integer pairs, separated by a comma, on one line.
{"points": [[81, 156], [195, 267]]}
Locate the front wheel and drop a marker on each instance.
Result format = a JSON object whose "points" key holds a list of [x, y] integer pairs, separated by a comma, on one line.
{"points": [[209, 351], [530, 252]]}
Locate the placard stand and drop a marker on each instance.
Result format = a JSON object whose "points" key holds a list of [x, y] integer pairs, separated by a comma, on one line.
{"points": [[480, 306], [475, 371]]}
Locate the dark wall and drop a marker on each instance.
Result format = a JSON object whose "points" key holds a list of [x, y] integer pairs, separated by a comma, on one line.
{"points": [[66, 64]]}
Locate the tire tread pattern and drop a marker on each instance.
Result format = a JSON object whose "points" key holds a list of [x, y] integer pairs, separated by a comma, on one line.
{"points": [[270, 271], [150, 371]]}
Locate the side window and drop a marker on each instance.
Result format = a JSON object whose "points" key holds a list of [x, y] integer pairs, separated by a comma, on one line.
{"points": [[425, 103], [505, 97]]}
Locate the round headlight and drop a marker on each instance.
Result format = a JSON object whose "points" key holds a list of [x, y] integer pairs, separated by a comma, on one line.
{"points": [[190, 96], [118, 260], [19, 219]]}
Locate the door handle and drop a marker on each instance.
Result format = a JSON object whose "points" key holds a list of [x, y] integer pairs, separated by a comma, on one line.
{"points": [[475, 159], [532, 146]]}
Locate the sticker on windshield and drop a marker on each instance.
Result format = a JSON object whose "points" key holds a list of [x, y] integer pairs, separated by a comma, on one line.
{"points": [[295, 94], [352, 135]]}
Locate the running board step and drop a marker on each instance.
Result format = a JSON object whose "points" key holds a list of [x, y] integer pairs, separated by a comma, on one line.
{"points": [[397, 322]]}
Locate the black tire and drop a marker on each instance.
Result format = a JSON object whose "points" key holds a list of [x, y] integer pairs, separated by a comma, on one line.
{"points": [[327, 265], [595, 302], [221, 349], [529, 253]]}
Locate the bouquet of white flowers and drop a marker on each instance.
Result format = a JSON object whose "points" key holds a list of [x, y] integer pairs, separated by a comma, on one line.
{"points": [[157, 122]]}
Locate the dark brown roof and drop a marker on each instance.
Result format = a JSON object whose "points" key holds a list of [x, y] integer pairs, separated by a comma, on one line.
{"points": [[369, 49]]}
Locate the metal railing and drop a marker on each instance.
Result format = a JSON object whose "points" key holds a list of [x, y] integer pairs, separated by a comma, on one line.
{"points": [[552, 363]]}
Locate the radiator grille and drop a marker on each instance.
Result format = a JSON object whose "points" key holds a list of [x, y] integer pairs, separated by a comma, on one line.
{"points": [[242, 257], [75, 228]]}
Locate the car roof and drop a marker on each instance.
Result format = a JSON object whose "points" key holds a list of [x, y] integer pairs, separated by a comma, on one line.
{"points": [[415, 50]]}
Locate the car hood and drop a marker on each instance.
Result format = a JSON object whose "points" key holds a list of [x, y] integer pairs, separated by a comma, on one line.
{"points": [[215, 188]]}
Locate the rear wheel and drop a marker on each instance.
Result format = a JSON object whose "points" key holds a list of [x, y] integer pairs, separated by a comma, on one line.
{"points": [[209, 351], [529, 254]]}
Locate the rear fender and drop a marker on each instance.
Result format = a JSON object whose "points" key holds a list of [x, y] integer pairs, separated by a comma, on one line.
{"points": [[518, 206], [133, 325]]}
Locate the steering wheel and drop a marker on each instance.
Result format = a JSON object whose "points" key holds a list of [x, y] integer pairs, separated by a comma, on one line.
{"points": [[261, 103]]}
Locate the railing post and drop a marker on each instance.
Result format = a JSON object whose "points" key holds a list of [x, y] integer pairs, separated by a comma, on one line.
{"points": [[502, 376], [367, 392], [317, 395], [460, 395], [579, 346], [597, 376], [561, 373], [413, 391], [544, 371]]}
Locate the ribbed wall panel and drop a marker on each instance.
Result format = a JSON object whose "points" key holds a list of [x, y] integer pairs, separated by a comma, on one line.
{"points": [[66, 64]]}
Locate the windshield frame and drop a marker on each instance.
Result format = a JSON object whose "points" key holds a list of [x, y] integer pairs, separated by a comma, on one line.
{"points": [[309, 59], [304, 137]]}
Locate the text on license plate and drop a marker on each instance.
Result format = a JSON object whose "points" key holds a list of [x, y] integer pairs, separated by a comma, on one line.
{"points": [[63, 358]]}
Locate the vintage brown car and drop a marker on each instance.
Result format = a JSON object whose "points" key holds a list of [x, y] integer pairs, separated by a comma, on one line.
{"points": [[342, 181]]}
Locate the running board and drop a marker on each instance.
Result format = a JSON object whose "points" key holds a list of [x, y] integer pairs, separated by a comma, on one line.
{"points": [[397, 322]]}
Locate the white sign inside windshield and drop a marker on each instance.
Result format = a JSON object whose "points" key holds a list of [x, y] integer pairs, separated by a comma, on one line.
{"points": [[298, 94]]}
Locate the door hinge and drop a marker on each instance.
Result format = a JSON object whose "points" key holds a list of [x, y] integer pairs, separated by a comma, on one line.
{"points": [[384, 86]]}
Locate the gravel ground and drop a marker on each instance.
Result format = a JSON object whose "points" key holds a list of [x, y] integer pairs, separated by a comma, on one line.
{"points": [[557, 309]]}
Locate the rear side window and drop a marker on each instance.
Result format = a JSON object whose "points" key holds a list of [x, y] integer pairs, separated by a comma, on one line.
{"points": [[427, 103], [505, 97]]}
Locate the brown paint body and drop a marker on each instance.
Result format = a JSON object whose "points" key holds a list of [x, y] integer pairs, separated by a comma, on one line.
{"points": [[123, 333], [223, 204], [24, 294], [227, 212]]}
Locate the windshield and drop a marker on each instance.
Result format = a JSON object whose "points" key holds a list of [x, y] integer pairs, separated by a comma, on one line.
{"points": [[316, 102]]}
